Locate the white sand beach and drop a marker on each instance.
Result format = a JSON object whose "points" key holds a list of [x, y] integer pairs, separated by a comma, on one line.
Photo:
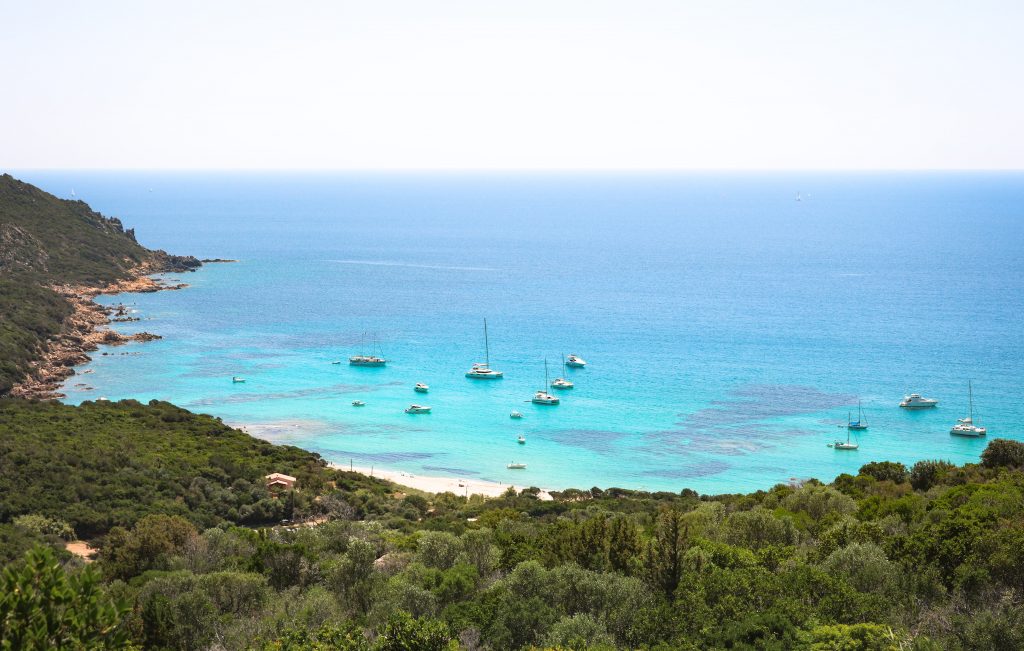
{"points": [[439, 484]]}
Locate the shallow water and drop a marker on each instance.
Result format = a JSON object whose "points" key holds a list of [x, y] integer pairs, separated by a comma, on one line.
{"points": [[728, 327]]}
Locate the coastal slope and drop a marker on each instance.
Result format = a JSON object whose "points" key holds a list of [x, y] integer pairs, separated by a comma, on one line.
{"points": [[55, 255]]}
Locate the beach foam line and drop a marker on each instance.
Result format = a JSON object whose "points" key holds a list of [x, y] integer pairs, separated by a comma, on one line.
{"points": [[430, 484]]}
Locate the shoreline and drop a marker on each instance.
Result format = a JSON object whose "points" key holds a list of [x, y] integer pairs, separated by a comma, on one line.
{"points": [[87, 327], [434, 484]]}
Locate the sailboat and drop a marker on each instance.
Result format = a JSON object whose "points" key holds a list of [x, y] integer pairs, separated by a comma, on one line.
{"points": [[561, 382], [966, 426], [484, 371], [542, 397], [844, 445], [861, 423], [368, 360]]}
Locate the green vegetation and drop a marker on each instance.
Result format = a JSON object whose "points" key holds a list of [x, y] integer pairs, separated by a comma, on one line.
{"points": [[29, 314], [44, 241], [867, 562], [107, 464]]}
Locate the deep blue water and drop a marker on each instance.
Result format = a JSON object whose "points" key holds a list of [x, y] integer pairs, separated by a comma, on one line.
{"points": [[728, 327]]}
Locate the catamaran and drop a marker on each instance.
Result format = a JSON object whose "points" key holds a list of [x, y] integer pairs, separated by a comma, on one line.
{"points": [[860, 423], [484, 371], [966, 426], [368, 360], [562, 383], [542, 397], [915, 401]]}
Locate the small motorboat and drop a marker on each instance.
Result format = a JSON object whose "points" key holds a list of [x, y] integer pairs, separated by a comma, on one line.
{"points": [[358, 403], [516, 466], [515, 414], [337, 361], [915, 401], [237, 380], [575, 361], [417, 409], [522, 440], [421, 388]]}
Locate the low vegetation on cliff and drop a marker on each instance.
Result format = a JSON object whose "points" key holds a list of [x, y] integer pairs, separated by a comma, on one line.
{"points": [[47, 241]]}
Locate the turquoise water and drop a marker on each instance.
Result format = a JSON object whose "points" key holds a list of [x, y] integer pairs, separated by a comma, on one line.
{"points": [[728, 327]]}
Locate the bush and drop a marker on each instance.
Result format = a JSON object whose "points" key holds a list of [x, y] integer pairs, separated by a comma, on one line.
{"points": [[885, 471], [926, 474], [1003, 453]]}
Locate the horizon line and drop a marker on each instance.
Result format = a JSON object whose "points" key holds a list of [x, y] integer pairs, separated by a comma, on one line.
{"points": [[521, 170]]}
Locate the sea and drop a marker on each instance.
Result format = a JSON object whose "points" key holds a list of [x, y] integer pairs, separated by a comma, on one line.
{"points": [[731, 322]]}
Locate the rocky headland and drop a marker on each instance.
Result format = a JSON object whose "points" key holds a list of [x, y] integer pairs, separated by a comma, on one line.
{"points": [[87, 327]]}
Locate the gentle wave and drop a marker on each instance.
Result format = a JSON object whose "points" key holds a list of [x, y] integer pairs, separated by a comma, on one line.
{"points": [[391, 263]]}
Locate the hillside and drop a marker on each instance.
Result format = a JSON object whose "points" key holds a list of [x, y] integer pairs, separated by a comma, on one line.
{"points": [[46, 241], [924, 558]]}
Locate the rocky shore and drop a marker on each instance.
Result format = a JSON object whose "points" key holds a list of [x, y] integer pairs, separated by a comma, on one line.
{"points": [[86, 328]]}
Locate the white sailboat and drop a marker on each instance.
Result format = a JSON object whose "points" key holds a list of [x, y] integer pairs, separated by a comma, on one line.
{"points": [[368, 360], [542, 397], [484, 371], [844, 445], [966, 426], [561, 382]]}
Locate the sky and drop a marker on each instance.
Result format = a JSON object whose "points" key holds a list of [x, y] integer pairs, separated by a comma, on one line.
{"points": [[517, 84]]}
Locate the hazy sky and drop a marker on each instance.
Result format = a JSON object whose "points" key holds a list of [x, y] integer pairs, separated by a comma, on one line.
{"points": [[714, 84]]}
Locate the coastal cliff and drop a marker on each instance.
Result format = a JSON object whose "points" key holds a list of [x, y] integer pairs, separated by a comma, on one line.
{"points": [[56, 256]]}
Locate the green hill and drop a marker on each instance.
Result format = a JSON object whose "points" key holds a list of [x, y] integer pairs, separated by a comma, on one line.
{"points": [[44, 241]]}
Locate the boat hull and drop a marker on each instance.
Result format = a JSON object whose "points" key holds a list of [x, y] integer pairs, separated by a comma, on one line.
{"points": [[972, 432], [355, 362], [493, 375]]}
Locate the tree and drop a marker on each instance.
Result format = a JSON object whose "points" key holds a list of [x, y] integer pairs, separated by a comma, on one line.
{"points": [[885, 471], [147, 546], [926, 474], [43, 607], [1003, 453], [665, 551]]}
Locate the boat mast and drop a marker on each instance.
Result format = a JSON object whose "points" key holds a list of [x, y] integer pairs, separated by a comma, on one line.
{"points": [[487, 347], [545, 375], [970, 402]]}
